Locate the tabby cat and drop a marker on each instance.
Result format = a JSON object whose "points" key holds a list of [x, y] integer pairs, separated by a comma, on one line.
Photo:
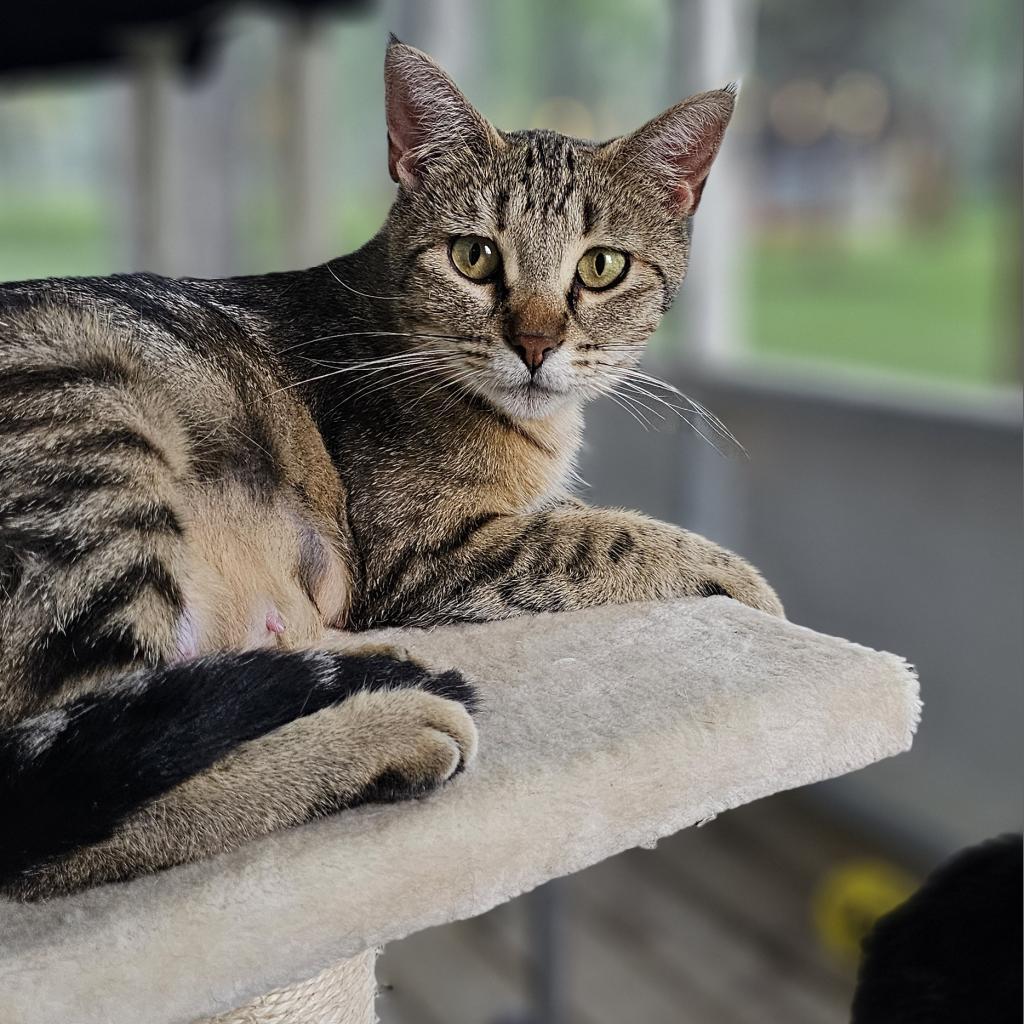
{"points": [[199, 478]]}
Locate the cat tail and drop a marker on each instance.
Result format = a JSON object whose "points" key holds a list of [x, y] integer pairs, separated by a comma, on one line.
{"points": [[69, 776]]}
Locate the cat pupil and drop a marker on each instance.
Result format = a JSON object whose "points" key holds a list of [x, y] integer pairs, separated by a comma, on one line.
{"points": [[474, 254], [599, 262]]}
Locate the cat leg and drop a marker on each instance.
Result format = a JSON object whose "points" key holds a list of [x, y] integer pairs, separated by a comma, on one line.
{"points": [[568, 557]]}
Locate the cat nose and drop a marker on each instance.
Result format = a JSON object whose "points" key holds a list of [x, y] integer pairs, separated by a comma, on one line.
{"points": [[533, 348]]}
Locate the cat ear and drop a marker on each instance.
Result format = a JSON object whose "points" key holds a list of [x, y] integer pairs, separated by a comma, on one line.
{"points": [[677, 148], [427, 114]]}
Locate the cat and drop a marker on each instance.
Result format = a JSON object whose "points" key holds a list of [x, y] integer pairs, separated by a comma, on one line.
{"points": [[200, 478]]}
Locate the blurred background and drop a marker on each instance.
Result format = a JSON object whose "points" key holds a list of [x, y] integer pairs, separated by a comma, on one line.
{"points": [[853, 314]]}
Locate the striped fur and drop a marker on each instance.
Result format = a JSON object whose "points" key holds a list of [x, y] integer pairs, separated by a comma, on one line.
{"points": [[198, 478]]}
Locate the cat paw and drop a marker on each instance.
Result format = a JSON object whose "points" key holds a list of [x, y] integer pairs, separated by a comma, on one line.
{"points": [[420, 739], [735, 578], [397, 652]]}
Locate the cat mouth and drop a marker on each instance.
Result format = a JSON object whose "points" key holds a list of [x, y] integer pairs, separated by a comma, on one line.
{"points": [[530, 398], [533, 387]]}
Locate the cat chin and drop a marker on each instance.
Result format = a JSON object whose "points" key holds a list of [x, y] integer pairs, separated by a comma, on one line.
{"points": [[530, 402]]}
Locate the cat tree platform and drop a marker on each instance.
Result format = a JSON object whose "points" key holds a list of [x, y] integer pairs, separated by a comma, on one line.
{"points": [[602, 730]]}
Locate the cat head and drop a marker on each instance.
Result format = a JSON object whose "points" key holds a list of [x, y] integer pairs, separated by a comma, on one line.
{"points": [[538, 263]]}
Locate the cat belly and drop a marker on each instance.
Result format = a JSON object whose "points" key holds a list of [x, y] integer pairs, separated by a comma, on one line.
{"points": [[259, 575]]}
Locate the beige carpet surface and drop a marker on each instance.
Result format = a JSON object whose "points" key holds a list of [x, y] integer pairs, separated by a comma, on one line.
{"points": [[602, 730]]}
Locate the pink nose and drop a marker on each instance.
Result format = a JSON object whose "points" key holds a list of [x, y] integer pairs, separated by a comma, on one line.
{"points": [[533, 348]]}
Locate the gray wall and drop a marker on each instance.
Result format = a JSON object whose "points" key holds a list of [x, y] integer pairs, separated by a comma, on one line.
{"points": [[895, 522]]}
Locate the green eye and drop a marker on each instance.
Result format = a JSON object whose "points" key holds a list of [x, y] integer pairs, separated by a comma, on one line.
{"points": [[475, 257], [601, 268]]}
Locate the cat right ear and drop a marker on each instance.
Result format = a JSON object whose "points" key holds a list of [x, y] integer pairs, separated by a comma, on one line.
{"points": [[427, 115]]}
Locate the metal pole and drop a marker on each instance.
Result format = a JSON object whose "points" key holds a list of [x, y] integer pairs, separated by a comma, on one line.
{"points": [[303, 158], [716, 37], [546, 990], [207, 203], [546, 909], [722, 49], [152, 204]]}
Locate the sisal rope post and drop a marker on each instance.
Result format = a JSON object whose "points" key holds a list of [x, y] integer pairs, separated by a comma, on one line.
{"points": [[342, 994]]}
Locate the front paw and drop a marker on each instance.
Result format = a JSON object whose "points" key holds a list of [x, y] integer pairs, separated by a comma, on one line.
{"points": [[732, 577]]}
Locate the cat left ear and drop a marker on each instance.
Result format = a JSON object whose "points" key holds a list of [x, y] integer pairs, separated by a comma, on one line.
{"points": [[678, 147], [427, 115]]}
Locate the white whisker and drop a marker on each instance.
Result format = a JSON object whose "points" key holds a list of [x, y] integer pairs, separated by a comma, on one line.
{"points": [[620, 401], [401, 358], [238, 430], [444, 384], [608, 388], [640, 391], [382, 334], [678, 412], [406, 377], [470, 377], [697, 407], [356, 291]]}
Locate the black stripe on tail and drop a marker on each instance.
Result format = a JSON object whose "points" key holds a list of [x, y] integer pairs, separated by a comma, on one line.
{"points": [[70, 775]]}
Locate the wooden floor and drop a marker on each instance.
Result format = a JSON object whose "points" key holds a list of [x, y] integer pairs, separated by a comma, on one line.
{"points": [[712, 927]]}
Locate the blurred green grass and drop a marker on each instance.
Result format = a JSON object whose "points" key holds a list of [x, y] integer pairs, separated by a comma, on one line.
{"points": [[924, 303], [56, 236]]}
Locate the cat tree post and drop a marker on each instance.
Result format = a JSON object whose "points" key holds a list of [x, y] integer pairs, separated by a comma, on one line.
{"points": [[600, 731], [344, 993]]}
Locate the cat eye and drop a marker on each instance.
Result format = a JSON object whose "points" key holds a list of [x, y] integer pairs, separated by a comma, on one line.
{"points": [[601, 268], [475, 257]]}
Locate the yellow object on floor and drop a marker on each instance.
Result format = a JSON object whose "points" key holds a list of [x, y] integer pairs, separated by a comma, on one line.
{"points": [[852, 897]]}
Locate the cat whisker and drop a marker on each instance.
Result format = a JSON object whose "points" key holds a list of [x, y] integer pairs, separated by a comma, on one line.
{"points": [[378, 366], [252, 441], [632, 397], [633, 386], [400, 359], [427, 365], [697, 407], [620, 372], [382, 334], [473, 375], [429, 361], [678, 412], [456, 383], [446, 383], [356, 291], [467, 375], [620, 375], [620, 401], [408, 376], [609, 388]]}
